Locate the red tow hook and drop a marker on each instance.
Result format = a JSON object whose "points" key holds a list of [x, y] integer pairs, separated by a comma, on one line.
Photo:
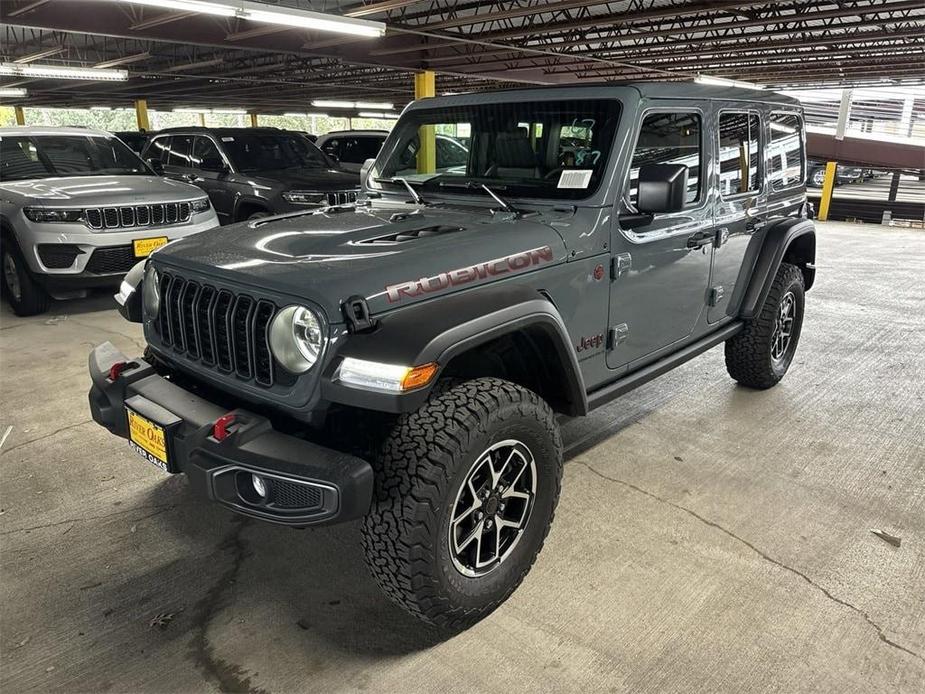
{"points": [[222, 424], [116, 369]]}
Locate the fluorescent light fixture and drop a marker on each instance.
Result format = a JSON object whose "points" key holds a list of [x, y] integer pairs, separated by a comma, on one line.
{"points": [[381, 116], [259, 12], [101, 108], [230, 111], [190, 110], [295, 115], [62, 73], [12, 92], [723, 82], [213, 8], [324, 103]]}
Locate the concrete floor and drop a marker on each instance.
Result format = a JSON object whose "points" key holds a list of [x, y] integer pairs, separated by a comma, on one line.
{"points": [[709, 538]]}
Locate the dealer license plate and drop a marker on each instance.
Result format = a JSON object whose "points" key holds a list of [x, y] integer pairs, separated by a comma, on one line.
{"points": [[144, 247], [147, 439]]}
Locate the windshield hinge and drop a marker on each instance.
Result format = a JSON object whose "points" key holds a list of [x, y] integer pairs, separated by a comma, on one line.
{"points": [[356, 313]]}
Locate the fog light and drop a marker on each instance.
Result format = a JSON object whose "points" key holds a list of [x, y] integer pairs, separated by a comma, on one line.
{"points": [[259, 486]]}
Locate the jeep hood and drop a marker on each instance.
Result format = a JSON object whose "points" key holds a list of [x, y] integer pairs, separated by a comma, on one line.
{"points": [[98, 191], [393, 256]]}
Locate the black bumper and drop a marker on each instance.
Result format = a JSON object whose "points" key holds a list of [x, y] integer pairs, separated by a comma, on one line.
{"points": [[308, 484]]}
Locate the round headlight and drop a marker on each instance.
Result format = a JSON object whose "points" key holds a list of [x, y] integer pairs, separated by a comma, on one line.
{"points": [[151, 291], [296, 338]]}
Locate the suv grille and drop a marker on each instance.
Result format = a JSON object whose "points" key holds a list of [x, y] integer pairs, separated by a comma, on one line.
{"points": [[342, 197], [137, 215], [222, 330], [105, 261]]}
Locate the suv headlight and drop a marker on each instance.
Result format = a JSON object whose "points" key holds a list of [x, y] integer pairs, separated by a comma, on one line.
{"points": [[199, 205], [151, 291], [296, 339], [41, 214], [304, 197]]}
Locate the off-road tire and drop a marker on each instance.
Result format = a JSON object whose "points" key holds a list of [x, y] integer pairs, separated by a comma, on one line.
{"points": [[748, 353], [420, 470], [32, 298]]}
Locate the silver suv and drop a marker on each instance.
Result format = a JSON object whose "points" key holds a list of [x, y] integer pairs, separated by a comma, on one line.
{"points": [[78, 209]]}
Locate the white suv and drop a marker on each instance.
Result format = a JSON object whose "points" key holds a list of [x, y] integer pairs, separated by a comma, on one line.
{"points": [[78, 209]]}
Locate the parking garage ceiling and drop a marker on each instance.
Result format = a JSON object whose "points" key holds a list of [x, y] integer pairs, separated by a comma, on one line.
{"points": [[179, 58]]}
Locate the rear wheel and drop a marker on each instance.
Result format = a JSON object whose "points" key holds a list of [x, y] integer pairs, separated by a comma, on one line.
{"points": [[22, 292], [466, 488], [761, 353]]}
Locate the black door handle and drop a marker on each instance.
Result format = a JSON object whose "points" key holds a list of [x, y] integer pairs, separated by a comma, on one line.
{"points": [[753, 225], [701, 238]]}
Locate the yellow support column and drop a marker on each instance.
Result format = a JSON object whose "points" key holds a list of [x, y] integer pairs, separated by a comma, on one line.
{"points": [[425, 86], [20, 116], [253, 119], [141, 114], [828, 185], [202, 119]]}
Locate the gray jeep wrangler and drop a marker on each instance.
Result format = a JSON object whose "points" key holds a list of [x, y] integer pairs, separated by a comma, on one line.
{"points": [[404, 359]]}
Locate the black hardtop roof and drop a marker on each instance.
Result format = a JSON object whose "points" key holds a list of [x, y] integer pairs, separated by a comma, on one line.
{"points": [[651, 90]]}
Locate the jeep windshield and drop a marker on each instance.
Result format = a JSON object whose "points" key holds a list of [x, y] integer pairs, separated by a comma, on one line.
{"points": [[48, 156], [256, 152], [552, 149]]}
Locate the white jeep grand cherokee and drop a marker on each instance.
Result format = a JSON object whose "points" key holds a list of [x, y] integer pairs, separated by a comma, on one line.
{"points": [[78, 209]]}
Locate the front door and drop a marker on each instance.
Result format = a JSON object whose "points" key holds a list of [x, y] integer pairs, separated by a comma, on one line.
{"points": [[661, 271], [741, 208], [218, 186]]}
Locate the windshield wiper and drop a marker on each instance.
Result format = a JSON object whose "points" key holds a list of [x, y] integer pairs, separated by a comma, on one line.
{"points": [[416, 196], [498, 199]]}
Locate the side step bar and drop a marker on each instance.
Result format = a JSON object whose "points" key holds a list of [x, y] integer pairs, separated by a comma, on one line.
{"points": [[625, 384]]}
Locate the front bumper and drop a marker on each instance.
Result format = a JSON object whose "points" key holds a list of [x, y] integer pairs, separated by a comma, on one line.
{"points": [[309, 484]]}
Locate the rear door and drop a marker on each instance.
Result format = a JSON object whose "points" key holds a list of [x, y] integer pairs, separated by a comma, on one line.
{"points": [[742, 204], [660, 271]]}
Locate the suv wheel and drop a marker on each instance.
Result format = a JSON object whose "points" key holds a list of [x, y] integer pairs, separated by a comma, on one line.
{"points": [[22, 292], [466, 488], [760, 355]]}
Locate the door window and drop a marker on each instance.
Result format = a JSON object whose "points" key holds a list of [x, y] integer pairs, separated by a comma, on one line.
{"points": [[180, 151], [204, 148], [785, 152], [669, 138], [159, 149], [738, 153], [356, 150]]}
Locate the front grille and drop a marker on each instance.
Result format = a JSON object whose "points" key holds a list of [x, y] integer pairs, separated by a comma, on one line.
{"points": [[58, 255], [294, 495], [137, 215], [106, 261], [224, 331], [342, 197]]}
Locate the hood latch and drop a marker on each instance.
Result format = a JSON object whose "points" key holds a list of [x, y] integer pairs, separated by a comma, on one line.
{"points": [[356, 313]]}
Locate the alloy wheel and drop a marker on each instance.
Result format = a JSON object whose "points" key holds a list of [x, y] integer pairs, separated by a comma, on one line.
{"points": [[492, 508], [783, 327], [11, 276]]}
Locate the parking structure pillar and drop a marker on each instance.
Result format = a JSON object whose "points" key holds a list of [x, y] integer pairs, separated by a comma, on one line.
{"points": [[253, 117], [141, 114], [20, 115], [424, 88], [831, 168]]}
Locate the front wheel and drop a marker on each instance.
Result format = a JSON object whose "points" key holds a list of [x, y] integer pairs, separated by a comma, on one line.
{"points": [[22, 292], [466, 489], [761, 353]]}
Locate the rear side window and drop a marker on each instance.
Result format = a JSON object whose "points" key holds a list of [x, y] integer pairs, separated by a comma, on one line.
{"points": [[204, 149], [181, 150], [785, 150], [159, 149], [738, 153], [669, 138], [356, 150]]}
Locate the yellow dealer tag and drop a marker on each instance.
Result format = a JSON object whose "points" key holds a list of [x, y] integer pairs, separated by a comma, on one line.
{"points": [[147, 439], [144, 247]]}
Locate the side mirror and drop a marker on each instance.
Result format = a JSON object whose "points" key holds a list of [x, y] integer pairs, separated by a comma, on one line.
{"points": [[213, 164], [156, 164], [367, 165], [662, 188]]}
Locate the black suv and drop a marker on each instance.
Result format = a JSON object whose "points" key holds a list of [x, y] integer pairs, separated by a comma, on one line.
{"points": [[252, 172]]}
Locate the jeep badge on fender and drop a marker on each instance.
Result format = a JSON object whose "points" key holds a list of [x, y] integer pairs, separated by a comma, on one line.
{"points": [[403, 359]]}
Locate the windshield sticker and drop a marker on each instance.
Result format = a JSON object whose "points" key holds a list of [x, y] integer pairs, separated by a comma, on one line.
{"points": [[575, 178], [227, 139]]}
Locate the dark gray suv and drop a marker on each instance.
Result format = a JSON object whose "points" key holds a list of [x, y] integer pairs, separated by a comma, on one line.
{"points": [[252, 172], [404, 359]]}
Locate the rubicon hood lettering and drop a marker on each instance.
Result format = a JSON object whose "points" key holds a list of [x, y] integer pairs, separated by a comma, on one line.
{"points": [[464, 275]]}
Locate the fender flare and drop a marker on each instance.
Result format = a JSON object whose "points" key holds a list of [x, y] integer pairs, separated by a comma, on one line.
{"points": [[443, 328], [791, 239], [243, 200]]}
